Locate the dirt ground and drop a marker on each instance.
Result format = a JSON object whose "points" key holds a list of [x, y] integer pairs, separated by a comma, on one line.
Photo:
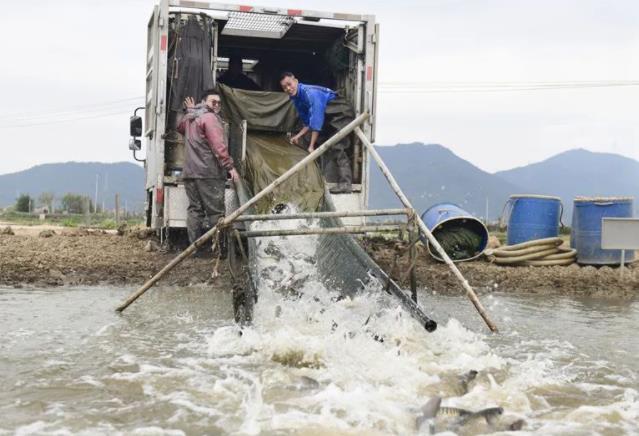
{"points": [[90, 257], [487, 277]]}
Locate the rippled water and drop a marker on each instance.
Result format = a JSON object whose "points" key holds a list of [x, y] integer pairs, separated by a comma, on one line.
{"points": [[174, 363]]}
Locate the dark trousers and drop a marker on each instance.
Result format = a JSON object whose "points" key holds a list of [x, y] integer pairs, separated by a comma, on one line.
{"points": [[337, 165], [206, 205]]}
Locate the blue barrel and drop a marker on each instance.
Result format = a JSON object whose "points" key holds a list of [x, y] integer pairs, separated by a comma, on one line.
{"points": [[585, 234], [533, 217], [462, 235]]}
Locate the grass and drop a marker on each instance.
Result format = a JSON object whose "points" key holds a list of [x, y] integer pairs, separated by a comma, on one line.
{"points": [[97, 221]]}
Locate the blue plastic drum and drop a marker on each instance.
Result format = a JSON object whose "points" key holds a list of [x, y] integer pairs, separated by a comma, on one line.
{"points": [[449, 218], [587, 216], [533, 217]]}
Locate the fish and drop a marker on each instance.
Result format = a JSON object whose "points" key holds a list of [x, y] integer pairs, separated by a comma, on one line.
{"points": [[465, 380], [436, 418], [305, 383], [428, 412]]}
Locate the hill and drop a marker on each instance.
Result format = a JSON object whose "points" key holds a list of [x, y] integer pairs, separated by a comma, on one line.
{"points": [[124, 178], [431, 174], [428, 174], [578, 173]]}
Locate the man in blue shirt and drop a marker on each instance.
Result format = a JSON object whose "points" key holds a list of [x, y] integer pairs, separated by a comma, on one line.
{"points": [[318, 111]]}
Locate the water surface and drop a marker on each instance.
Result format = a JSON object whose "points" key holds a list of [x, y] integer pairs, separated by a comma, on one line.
{"points": [[175, 363]]}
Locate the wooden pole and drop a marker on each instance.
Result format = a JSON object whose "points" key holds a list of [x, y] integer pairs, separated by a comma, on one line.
{"points": [[413, 234], [391, 180], [239, 211]]}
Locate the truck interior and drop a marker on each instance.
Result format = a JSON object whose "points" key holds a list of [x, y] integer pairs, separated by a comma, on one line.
{"points": [[319, 53]]}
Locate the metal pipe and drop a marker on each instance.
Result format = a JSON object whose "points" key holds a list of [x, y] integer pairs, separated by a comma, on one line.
{"points": [[239, 211], [422, 227], [322, 231], [340, 214]]}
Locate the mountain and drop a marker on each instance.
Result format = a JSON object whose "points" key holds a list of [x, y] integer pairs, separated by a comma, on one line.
{"points": [[431, 174], [124, 178], [578, 173], [428, 174]]}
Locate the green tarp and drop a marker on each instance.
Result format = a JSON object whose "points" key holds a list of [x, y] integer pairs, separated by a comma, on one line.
{"points": [[268, 156], [262, 110]]}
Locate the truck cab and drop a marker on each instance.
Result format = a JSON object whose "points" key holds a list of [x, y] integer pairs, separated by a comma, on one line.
{"points": [[335, 50]]}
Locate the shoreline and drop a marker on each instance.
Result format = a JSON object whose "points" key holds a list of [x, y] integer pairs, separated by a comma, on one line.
{"points": [[71, 257]]}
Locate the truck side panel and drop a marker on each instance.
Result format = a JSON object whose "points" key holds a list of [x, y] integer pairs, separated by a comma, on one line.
{"points": [[158, 37], [152, 56]]}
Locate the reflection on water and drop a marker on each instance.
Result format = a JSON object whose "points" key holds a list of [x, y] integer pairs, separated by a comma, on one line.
{"points": [[174, 363]]}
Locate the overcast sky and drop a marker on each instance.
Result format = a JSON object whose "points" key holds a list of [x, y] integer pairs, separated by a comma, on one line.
{"points": [[61, 59]]}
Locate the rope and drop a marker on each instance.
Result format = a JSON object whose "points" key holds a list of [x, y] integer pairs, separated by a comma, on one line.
{"points": [[538, 252]]}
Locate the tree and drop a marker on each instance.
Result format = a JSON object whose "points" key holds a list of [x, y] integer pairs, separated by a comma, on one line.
{"points": [[46, 199], [74, 203], [23, 204]]}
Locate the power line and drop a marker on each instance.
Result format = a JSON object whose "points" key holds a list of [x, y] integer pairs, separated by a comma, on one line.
{"points": [[104, 115], [123, 106], [71, 110], [513, 83], [472, 87]]}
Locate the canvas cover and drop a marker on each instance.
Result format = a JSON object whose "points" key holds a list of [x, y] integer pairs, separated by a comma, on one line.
{"points": [[262, 110], [268, 156], [274, 111]]}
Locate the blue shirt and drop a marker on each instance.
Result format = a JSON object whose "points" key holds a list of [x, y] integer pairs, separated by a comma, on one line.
{"points": [[310, 102]]}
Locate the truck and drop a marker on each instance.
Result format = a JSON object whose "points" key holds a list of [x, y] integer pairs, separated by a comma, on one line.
{"points": [[336, 50]]}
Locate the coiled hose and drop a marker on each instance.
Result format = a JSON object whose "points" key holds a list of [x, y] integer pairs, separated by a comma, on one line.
{"points": [[539, 252]]}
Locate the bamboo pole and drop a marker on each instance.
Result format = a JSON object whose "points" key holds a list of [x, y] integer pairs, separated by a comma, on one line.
{"points": [[413, 234], [239, 211], [323, 231], [336, 214], [420, 223]]}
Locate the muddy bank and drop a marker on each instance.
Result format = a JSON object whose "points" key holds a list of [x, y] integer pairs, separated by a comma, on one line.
{"points": [[80, 257], [487, 277]]}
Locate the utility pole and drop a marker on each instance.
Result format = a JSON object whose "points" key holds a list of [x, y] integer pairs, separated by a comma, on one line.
{"points": [[87, 210], [95, 201], [117, 208], [105, 191], [486, 214]]}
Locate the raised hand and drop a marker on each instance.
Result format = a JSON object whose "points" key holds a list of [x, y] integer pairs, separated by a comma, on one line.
{"points": [[189, 103]]}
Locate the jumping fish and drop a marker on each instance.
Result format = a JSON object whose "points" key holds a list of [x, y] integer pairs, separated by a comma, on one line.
{"points": [[465, 380], [436, 418]]}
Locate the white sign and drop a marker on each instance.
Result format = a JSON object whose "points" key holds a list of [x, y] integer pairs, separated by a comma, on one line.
{"points": [[620, 233]]}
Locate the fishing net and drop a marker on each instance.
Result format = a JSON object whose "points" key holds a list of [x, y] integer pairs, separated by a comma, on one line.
{"points": [[189, 67], [458, 240]]}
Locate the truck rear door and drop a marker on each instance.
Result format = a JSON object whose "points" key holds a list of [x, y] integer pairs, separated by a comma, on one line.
{"points": [[155, 97]]}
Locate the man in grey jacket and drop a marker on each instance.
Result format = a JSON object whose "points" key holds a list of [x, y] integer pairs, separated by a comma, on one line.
{"points": [[207, 163]]}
